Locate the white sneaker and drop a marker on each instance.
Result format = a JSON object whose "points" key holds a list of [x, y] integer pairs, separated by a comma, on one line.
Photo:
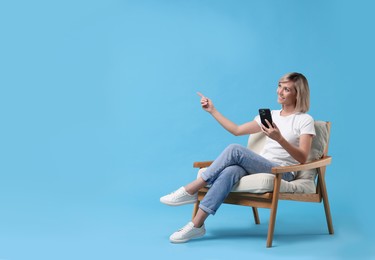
{"points": [[179, 197], [187, 232]]}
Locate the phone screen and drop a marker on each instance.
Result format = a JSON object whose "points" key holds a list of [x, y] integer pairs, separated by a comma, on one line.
{"points": [[265, 113]]}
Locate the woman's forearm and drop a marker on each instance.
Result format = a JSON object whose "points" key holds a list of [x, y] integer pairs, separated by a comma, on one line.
{"points": [[296, 152], [225, 122]]}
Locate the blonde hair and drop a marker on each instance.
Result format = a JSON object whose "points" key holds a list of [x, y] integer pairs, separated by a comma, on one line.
{"points": [[302, 88]]}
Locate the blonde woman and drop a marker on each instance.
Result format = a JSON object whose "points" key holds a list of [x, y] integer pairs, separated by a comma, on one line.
{"points": [[288, 142]]}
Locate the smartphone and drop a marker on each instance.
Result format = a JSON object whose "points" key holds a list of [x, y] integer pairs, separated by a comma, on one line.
{"points": [[265, 113]]}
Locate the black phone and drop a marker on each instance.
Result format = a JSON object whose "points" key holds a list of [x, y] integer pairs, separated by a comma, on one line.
{"points": [[265, 113]]}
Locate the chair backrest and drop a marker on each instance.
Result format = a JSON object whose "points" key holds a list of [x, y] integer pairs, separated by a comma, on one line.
{"points": [[256, 142], [319, 147]]}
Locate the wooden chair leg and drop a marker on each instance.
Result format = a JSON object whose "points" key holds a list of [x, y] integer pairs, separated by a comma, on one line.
{"points": [[275, 201], [327, 209], [195, 209], [256, 215]]}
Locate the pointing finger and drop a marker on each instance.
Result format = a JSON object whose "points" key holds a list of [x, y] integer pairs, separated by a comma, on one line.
{"points": [[201, 95]]}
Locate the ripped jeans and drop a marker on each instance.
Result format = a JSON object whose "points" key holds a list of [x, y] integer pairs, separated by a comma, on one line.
{"points": [[232, 164]]}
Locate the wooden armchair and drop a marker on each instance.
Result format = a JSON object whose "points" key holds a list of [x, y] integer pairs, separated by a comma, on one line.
{"points": [[270, 199]]}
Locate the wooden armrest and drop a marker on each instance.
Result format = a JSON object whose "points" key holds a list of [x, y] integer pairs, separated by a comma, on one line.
{"points": [[202, 164], [305, 166]]}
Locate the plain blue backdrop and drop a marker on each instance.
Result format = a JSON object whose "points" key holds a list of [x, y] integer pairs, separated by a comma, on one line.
{"points": [[100, 117]]}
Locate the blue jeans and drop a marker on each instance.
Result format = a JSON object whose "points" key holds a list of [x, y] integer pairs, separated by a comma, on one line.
{"points": [[232, 164]]}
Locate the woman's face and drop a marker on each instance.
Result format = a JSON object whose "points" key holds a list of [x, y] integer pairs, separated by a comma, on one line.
{"points": [[286, 93]]}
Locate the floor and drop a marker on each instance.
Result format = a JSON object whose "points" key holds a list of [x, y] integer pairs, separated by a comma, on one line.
{"points": [[115, 224]]}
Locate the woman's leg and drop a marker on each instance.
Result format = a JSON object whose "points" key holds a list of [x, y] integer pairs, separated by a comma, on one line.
{"points": [[200, 218], [211, 202], [234, 154], [220, 189], [239, 155], [234, 163], [194, 186], [218, 192]]}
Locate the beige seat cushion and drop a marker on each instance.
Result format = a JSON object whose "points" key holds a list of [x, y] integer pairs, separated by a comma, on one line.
{"points": [[305, 180], [263, 182]]}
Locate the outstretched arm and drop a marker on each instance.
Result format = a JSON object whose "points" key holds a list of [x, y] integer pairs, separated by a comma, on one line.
{"points": [[247, 128]]}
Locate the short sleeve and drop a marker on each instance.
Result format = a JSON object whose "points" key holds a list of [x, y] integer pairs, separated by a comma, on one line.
{"points": [[257, 119], [307, 125]]}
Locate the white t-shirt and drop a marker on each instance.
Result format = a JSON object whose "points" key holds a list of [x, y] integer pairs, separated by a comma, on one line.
{"points": [[291, 127]]}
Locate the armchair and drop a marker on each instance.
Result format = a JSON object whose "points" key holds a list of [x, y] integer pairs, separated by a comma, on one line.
{"points": [[264, 190]]}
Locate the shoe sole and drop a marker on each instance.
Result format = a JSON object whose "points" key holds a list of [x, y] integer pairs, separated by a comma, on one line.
{"points": [[179, 241], [178, 203]]}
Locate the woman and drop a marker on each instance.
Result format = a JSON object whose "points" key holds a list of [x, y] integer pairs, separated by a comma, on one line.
{"points": [[288, 142]]}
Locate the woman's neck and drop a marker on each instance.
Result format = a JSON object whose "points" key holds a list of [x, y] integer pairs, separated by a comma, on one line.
{"points": [[287, 110]]}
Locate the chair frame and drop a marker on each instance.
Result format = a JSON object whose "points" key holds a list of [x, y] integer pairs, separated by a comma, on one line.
{"points": [[270, 199]]}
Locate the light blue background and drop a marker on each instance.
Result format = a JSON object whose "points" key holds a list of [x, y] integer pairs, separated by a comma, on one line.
{"points": [[100, 117]]}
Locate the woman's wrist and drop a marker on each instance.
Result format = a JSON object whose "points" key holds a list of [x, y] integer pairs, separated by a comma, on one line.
{"points": [[282, 141], [213, 111]]}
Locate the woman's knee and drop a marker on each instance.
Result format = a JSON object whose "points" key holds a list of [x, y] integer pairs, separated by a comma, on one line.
{"points": [[236, 152], [234, 148]]}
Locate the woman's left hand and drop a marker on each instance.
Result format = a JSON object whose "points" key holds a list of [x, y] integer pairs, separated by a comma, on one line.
{"points": [[272, 132]]}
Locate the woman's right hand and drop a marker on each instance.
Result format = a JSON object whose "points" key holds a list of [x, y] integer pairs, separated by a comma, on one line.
{"points": [[206, 103], [247, 128]]}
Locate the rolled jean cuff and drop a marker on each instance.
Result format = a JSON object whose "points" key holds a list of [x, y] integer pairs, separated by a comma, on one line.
{"points": [[203, 176], [207, 210]]}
